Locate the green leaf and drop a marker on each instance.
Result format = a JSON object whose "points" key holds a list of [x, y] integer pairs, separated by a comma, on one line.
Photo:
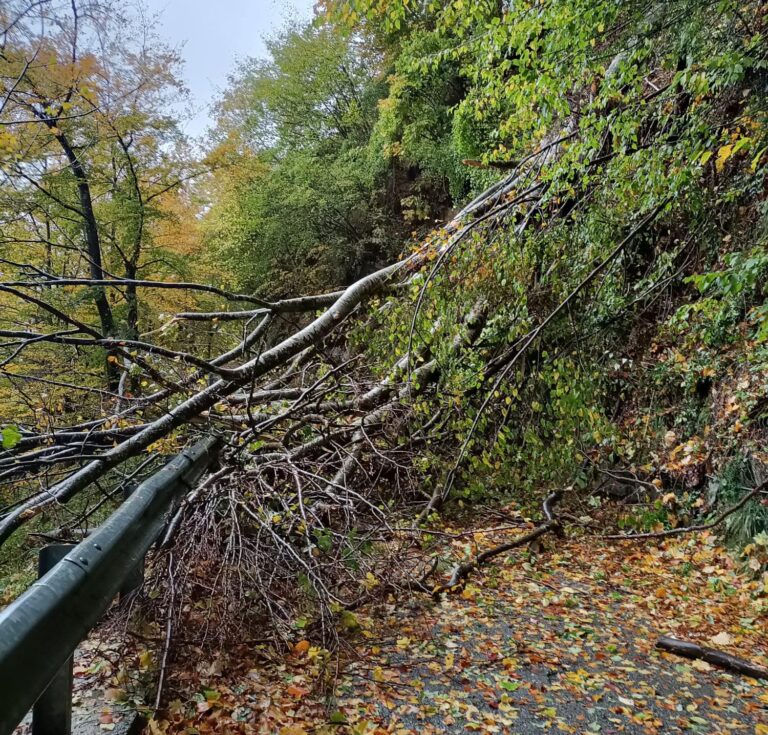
{"points": [[211, 695], [349, 620], [337, 718], [324, 540], [11, 437]]}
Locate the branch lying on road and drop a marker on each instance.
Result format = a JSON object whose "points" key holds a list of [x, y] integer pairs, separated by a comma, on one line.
{"points": [[462, 571], [712, 656], [762, 488]]}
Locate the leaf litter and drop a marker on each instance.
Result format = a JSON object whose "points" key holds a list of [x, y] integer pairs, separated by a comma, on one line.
{"points": [[559, 641]]}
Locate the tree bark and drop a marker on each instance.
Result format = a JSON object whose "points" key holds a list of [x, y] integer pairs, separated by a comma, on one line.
{"points": [[686, 649], [93, 248]]}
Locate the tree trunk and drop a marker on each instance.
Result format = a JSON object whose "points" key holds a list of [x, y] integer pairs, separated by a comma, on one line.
{"points": [[93, 249]]}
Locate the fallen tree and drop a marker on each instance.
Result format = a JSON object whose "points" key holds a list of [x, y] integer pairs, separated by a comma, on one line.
{"points": [[332, 436]]}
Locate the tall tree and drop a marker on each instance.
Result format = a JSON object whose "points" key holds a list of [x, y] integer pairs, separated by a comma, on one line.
{"points": [[311, 191], [89, 145]]}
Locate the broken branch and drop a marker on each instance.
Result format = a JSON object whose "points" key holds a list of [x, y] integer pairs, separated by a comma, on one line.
{"points": [[712, 656]]}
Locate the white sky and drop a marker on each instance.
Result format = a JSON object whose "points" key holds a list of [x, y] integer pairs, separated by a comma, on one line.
{"points": [[212, 34]]}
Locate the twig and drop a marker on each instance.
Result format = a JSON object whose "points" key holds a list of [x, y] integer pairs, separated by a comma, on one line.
{"points": [[168, 634], [691, 529]]}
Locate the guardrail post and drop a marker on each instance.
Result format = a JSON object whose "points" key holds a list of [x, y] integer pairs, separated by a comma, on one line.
{"points": [[135, 578], [52, 713]]}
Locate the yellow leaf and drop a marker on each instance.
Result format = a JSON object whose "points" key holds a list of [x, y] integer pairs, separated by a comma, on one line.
{"points": [[723, 155], [756, 159], [157, 728], [701, 665]]}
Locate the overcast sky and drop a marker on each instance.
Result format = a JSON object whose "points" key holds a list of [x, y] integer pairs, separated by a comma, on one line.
{"points": [[213, 34]]}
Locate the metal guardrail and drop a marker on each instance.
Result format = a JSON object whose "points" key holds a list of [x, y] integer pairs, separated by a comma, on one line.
{"points": [[40, 630]]}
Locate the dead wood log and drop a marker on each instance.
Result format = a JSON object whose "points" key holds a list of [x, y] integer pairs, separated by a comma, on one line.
{"points": [[712, 656]]}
